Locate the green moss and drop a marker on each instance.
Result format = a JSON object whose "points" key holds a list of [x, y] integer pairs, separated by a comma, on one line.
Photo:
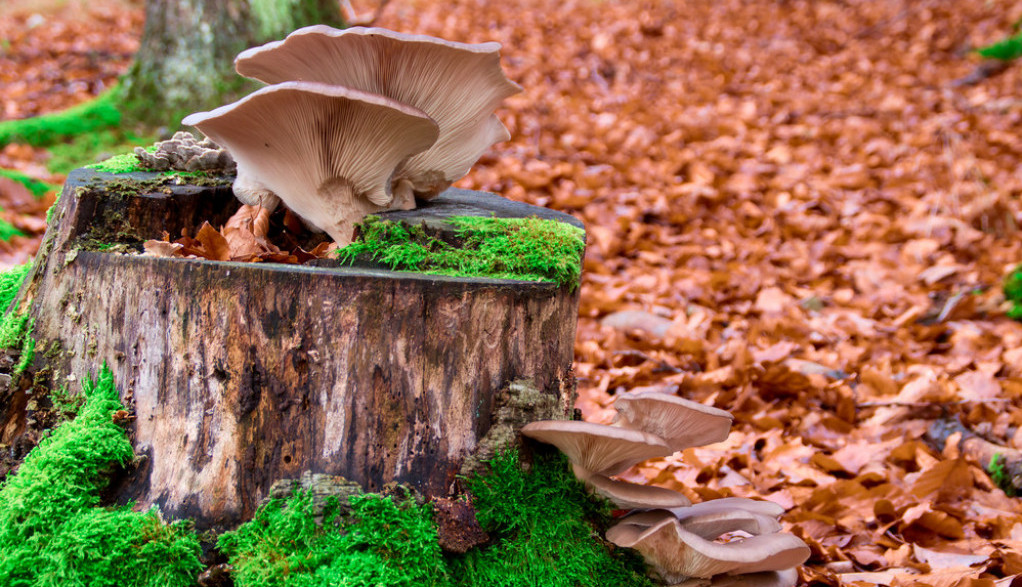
{"points": [[41, 131], [10, 283], [52, 530], [88, 148], [123, 163], [1013, 293], [378, 541], [506, 248], [541, 520], [1005, 50], [15, 326], [544, 521], [36, 187], [8, 231], [1000, 476]]}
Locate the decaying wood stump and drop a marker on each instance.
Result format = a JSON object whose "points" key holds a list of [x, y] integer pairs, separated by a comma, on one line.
{"points": [[241, 374]]}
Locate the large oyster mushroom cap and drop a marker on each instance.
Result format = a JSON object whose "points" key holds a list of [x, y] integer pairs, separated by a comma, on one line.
{"points": [[631, 495], [681, 422], [328, 152], [605, 450], [457, 84], [677, 553]]}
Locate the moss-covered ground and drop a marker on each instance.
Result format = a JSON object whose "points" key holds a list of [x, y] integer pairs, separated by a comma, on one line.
{"points": [[78, 136], [53, 530], [542, 521], [36, 187], [529, 249]]}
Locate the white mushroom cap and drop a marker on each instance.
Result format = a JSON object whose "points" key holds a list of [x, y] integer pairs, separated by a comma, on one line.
{"points": [[631, 495], [594, 447], [677, 553], [681, 422], [328, 152], [457, 84]]}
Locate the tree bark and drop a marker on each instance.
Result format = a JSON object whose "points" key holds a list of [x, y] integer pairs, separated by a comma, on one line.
{"points": [[186, 59], [242, 374]]}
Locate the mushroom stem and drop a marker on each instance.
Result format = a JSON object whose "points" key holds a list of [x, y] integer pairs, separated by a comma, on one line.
{"points": [[344, 209], [404, 195]]}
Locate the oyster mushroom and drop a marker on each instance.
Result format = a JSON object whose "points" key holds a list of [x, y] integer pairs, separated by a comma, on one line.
{"points": [[630, 495], [680, 422], [457, 84], [328, 152], [708, 522], [678, 554], [597, 448]]}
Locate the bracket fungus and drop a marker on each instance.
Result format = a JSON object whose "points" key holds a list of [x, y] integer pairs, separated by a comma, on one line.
{"points": [[328, 152], [459, 85]]}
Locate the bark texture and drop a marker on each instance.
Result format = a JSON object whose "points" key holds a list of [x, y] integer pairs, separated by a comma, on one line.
{"points": [[185, 62], [241, 374]]}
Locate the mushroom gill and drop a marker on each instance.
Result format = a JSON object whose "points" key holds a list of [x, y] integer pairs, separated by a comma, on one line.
{"points": [[327, 152], [680, 422], [597, 448]]}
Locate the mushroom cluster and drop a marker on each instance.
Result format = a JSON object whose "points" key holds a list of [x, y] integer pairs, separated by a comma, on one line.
{"points": [[731, 541], [358, 120]]}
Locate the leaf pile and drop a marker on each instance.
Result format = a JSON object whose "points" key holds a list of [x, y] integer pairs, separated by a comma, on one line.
{"points": [[243, 238], [796, 214], [800, 211]]}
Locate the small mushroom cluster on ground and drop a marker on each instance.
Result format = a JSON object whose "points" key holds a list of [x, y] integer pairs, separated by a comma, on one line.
{"points": [[731, 541], [357, 121]]}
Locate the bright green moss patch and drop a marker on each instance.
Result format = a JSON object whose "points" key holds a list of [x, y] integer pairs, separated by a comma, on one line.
{"points": [[376, 541], [506, 248], [10, 283], [36, 187], [8, 231], [543, 521], [15, 326], [123, 163], [1013, 293], [41, 131], [1005, 50], [52, 530], [87, 149]]}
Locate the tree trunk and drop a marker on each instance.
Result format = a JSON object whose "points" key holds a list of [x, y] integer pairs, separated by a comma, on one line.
{"points": [[242, 374], [186, 59]]}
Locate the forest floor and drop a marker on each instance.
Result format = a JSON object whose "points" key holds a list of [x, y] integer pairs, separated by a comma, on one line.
{"points": [[799, 211]]}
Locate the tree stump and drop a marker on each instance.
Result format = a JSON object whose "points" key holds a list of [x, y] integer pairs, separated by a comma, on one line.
{"points": [[241, 374]]}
